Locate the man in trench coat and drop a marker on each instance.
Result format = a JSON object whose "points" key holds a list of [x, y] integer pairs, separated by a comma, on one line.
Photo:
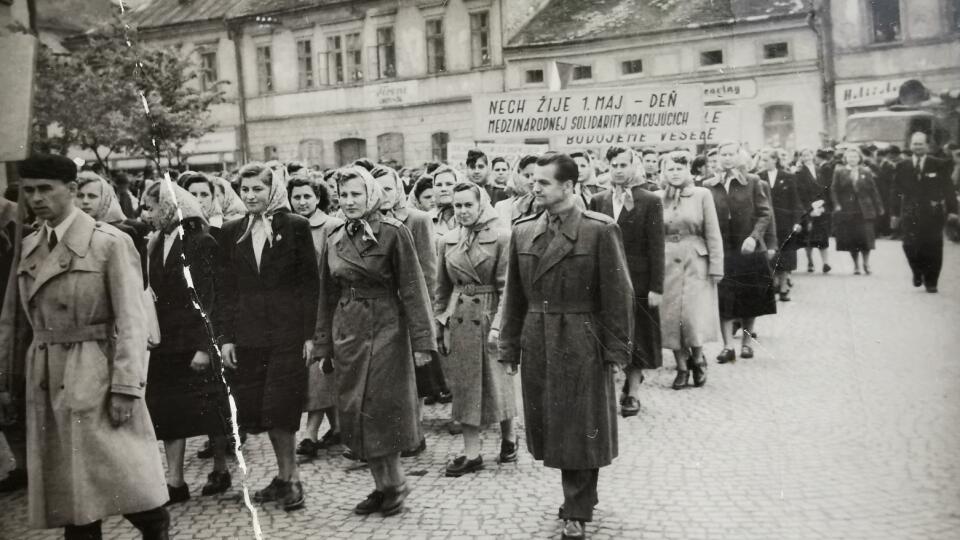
{"points": [[90, 440], [568, 317]]}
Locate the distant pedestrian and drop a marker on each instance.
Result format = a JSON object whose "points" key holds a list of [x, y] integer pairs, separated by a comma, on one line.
{"points": [[694, 265], [521, 204], [478, 171], [924, 201], [787, 212], [856, 205], [567, 316], [815, 193]]}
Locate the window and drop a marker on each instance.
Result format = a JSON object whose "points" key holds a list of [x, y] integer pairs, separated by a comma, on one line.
{"points": [[778, 125], [631, 67], [582, 73], [386, 53], [711, 58], [435, 54], [776, 51], [264, 69], [310, 151], [390, 148], [344, 59], [304, 64], [350, 150], [438, 144], [269, 152], [480, 38], [354, 59], [885, 16], [534, 76], [208, 69]]}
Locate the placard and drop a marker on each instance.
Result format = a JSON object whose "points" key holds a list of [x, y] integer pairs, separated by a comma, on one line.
{"points": [[627, 115]]}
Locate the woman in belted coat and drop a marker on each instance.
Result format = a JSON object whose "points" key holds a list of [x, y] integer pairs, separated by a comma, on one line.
{"points": [[186, 396], [310, 198], [744, 213], [694, 265], [857, 204], [815, 194], [470, 281], [266, 315], [373, 309]]}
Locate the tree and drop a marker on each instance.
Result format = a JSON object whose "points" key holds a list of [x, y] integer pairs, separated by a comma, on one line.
{"points": [[93, 99]]}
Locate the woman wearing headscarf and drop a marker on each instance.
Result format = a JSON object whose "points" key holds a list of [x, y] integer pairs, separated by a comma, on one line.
{"points": [[521, 204], [444, 178], [694, 266], [266, 315], [310, 198], [470, 281], [430, 379], [97, 198], [203, 188], [423, 196], [229, 201], [186, 396], [374, 324], [857, 204]]}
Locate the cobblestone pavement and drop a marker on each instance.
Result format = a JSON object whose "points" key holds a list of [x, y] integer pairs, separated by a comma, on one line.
{"points": [[846, 425]]}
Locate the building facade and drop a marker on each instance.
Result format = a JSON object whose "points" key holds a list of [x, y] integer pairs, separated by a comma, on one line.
{"points": [[757, 59], [879, 44]]}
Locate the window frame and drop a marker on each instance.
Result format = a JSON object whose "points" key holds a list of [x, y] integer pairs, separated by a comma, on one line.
{"points": [[437, 66], [306, 57], [382, 49], [763, 51], [208, 83], [265, 79], [769, 125], [541, 82], [721, 64], [623, 61], [442, 155], [871, 24], [481, 34], [583, 80]]}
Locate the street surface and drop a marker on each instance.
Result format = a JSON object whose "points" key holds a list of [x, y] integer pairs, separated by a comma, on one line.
{"points": [[846, 425]]}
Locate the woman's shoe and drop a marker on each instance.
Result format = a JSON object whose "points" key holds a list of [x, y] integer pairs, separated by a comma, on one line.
{"points": [[293, 497], [508, 451], [573, 530], [630, 407], [393, 498], [462, 466], [746, 351], [681, 381], [856, 271], [217, 482], [330, 438], [699, 373], [785, 296], [726, 356], [810, 268], [308, 448], [866, 270], [371, 504], [826, 269], [178, 494]]}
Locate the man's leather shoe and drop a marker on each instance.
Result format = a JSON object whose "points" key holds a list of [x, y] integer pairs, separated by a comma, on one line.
{"points": [[573, 530], [827, 269], [270, 493], [415, 451], [293, 497], [630, 407], [178, 494], [931, 288], [462, 466], [393, 498], [217, 482], [726, 356], [917, 280], [371, 504]]}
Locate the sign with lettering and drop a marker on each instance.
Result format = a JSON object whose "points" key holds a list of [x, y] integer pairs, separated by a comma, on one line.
{"points": [[863, 94], [730, 90], [390, 94], [720, 123], [457, 151], [628, 115]]}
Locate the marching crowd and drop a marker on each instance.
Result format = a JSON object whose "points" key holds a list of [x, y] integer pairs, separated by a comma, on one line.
{"points": [[359, 295]]}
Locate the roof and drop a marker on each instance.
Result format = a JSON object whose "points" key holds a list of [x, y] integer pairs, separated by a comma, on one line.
{"points": [[72, 16], [249, 8], [157, 13], [565, 21]]}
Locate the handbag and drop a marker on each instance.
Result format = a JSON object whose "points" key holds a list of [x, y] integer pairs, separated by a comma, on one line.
{"points": [[152, 323]]}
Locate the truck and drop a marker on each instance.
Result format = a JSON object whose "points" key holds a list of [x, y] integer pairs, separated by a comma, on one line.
{"points": [[915, 108]]}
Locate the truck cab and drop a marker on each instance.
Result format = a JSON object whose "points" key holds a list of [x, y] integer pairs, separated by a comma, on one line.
{"points": [[915, 109]]}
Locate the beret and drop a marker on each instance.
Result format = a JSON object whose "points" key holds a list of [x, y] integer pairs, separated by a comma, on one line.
{"points": [[49, 167]]}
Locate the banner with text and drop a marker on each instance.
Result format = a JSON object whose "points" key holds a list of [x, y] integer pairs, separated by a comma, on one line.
{"points": [[457, 151], [631, 116], [720, 123]]}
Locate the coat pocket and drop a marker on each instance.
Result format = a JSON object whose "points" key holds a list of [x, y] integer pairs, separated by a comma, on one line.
{"points": [[86, 378]]}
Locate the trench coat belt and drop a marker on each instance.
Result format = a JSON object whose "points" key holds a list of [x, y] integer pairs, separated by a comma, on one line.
{"points": [[79, 334], [363, 293], [545, 306], [677, 237], [472, 289]]}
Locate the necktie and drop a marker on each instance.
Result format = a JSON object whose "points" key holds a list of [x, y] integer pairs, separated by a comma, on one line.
{"points": [[52, 240]]}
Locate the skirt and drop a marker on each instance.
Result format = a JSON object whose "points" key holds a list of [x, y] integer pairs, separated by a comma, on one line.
{"points": [[269, 386], [430, 378], [182, 402], [854, 233], [818, 234], [785, 260], [746, 289]]}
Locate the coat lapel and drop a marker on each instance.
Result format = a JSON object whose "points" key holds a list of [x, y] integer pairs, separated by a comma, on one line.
{"points": [[76, 241], [345, 248], [461, 259], [561, 245]]}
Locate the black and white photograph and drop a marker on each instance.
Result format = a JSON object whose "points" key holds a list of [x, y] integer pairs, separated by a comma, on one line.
{"points": [[480, 269]]}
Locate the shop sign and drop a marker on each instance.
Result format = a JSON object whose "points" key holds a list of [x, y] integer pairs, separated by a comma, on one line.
{"points": [[730, 90], [864, 94]]}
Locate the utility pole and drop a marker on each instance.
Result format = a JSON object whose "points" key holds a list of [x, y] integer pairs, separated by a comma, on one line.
{"points": [[821, 22]]}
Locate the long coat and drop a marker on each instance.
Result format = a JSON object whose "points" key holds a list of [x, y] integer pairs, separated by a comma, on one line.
{"points": [[922, 199], [787, 207], [373, 307], [568, 316], [694, 254], [482, 393], [84, 301], [642, 233], [812, 188], [857, 200], [321, 387]]}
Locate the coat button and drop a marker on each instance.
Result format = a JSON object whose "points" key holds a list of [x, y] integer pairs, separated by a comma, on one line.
{"points": [[677, 261], [142, 384], [42, 346]]}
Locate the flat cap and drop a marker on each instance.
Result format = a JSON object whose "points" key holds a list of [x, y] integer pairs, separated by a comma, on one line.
{"points": [[49, 167]]}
